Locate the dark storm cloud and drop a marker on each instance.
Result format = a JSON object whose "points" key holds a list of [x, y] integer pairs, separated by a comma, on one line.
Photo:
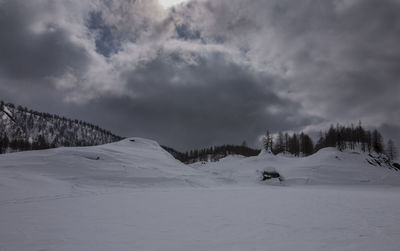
{"points": [[337, 55], [213, 102], [32, 56], [205, 72], [46, 47], [352, 60]]}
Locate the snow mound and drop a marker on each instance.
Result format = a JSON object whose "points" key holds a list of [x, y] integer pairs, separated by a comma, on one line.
{"points": [[133, 162], [327, 167]]}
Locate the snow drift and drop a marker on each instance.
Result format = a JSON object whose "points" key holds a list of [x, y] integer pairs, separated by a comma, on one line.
{"points": [[133, 162], [327, 167]]}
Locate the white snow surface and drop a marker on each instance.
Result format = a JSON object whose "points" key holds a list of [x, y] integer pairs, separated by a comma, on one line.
{"points": [[327, 167], [133, 195]]}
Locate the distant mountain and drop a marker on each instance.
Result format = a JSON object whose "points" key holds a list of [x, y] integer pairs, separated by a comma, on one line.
{"points": [[24, 129]]}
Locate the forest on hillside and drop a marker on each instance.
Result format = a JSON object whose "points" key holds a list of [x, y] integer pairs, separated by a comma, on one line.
{"points": [[23, 129]]}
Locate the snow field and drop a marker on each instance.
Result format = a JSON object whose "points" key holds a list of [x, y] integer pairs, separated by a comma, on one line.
{"points": [[133, 195]]}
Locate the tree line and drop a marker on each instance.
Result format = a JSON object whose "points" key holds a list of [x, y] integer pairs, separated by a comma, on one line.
{"points": [[295, 144], [339, 136], [298, 144], [213, 153]]}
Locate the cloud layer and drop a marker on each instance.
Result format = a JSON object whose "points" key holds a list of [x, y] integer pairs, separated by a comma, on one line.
{"points": [[204, 72]]}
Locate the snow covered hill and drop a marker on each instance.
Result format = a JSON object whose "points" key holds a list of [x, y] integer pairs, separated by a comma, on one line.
{"points": [[133, 195], [132, 162], [327, 167], [137, 162]]}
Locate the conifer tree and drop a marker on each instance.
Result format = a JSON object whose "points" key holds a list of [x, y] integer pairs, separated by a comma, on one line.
{"points": [[391, 150], [268, 142], [377, 142], [280, 144]]}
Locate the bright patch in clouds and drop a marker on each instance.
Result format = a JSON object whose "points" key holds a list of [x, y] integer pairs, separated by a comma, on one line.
{"points": [[170, 3]]}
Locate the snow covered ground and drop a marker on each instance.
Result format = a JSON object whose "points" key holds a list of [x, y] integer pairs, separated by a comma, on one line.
{"points": [[132, 195]]}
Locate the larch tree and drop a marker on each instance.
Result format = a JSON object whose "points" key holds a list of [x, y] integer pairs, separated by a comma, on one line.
{"points": [[391, 150]]}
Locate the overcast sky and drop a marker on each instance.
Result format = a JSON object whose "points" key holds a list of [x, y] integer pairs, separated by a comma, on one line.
{"points": [[205, 72]]}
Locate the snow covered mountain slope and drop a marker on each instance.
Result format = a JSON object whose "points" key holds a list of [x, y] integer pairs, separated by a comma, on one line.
{"points": [[22, 129]]}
